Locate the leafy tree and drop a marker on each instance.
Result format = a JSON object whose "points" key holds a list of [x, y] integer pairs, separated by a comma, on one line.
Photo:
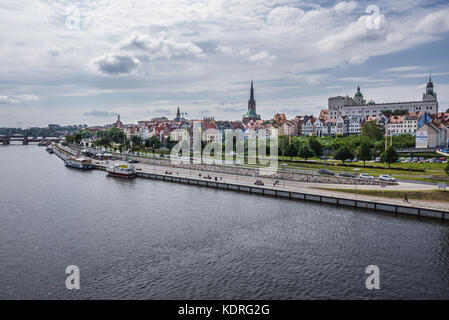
{"points": [[387, 112], [344, 153], [136, 140], [170, 144], [316, 146], [404, 141], [447, 110], [446, 168], [114, 134], [305, 152], [389, 156], [152, 143], [283, 142], [364, 152], [78, 137], [291, 150], [372, 130]]}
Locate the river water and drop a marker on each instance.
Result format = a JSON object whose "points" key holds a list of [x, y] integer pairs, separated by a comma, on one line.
{"points": [[146, 239]]}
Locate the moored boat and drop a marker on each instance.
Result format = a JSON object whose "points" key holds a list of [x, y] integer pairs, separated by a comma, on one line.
{"points": [[122, 170], [79, 163]]}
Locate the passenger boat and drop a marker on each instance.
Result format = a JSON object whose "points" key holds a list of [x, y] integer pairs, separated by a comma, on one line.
{"points": [[123, 170], [49, 150], [41, 144], [79, 163]]}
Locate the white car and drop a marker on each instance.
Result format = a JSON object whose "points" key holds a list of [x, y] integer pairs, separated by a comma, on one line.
{"points": [[366, 176], [387, 177]]}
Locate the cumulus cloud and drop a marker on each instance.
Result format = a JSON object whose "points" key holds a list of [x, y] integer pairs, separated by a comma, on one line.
{"points": [[345, 7], [225, 50], [263, 57], [99, 114], [18, 99], [116, 63], [185, 50], [157, 47], [284, 15]]}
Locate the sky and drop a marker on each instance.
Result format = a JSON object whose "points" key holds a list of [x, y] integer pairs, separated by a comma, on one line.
{"points": [[84, 62]]}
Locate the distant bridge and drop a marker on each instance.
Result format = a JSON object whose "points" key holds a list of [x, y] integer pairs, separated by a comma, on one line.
{"points": [[25, 139]]}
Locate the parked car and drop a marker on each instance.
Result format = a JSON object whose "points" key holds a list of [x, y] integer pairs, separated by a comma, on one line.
{"points": [[387, 177], [327, 172], [347, 175], [377, 159], [132, 161], [366, 176], [355, 160]]}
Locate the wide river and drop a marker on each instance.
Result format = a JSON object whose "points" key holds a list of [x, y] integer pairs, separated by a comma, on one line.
{"points": [[146, 239]]}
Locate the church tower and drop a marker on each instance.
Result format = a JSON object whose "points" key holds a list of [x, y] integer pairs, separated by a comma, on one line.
{"points": [[251, 101], [251, 113]]}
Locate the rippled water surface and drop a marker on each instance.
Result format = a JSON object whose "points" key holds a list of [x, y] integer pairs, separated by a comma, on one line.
{"points": [[149, 239]]}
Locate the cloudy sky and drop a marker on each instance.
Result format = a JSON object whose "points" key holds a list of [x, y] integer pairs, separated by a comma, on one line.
{"points": [[76, 62]]}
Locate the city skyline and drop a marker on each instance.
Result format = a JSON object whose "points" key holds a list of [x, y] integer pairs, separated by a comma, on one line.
{"points": [[202, 58]]}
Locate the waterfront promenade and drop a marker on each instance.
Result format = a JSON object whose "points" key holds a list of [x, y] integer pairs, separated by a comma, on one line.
{"points": [[286, 188]]}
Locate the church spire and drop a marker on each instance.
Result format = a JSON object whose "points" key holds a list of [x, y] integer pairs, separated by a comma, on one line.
{"points": [[252, 102]]}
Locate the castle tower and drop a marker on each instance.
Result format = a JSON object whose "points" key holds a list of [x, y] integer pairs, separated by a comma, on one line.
{"points": [[430, 94]]}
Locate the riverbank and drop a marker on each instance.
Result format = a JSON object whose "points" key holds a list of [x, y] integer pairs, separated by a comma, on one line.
{"points": [[428, 195], [297, 190]]}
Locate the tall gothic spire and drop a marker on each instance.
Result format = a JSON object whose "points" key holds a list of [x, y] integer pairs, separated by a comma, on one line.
{"points": [[251, 102]]}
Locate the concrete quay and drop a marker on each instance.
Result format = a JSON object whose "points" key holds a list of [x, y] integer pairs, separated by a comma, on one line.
{"points": [[294, 190]]}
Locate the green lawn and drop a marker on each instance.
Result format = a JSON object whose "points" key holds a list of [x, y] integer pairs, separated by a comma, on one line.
{"points": [[435, 195]]}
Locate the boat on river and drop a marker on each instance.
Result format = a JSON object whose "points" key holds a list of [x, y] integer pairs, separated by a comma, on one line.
{"points": [[79, 163], [122, 170]]}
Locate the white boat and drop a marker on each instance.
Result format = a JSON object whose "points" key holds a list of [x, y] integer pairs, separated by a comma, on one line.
{"points": [[123, 170], [79, 163]]}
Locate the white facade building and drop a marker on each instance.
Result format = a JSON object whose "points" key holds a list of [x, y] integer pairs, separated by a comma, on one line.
{"points": [[357, 106]]}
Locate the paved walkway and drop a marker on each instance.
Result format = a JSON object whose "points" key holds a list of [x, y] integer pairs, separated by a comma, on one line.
{"points": [[301, 187]]}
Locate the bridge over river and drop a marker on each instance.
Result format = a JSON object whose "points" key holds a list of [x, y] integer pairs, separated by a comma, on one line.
{"points": [[7, 139]]}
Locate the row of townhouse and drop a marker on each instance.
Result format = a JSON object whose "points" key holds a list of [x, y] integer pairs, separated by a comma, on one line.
{"points": [[214, 130]]}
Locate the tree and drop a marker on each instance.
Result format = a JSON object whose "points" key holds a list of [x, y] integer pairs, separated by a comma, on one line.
{"points": [[316, 146], [447, 110], [114, 134], [389, 156], [343, 154], [446, 168], [364, 152], [372, 130], [152, 143], [305, 152], [283, 142], [136, 140], [291, 151]]}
